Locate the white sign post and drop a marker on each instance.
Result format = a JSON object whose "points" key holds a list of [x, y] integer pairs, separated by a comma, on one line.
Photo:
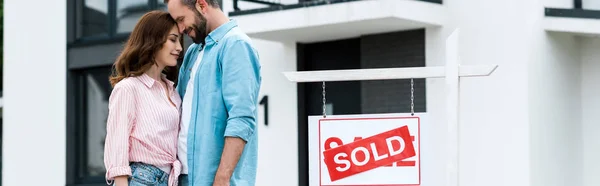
{"points": [[370, 172]]}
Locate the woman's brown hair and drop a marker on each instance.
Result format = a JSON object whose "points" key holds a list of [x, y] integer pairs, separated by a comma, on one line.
{"points": [[146, 39]]}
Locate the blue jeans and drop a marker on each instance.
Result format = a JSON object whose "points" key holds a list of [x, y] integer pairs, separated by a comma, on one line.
{"points": [[147, 175]]}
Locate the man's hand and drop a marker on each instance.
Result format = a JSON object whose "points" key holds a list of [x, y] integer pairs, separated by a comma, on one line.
{"points": [[221, 182], [231, 154]]}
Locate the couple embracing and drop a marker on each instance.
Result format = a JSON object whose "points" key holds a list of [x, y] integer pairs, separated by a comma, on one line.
{"points": [[201, 132]]}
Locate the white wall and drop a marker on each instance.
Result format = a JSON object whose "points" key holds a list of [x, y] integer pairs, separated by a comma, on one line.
{"points": [[494, 130], [559, 3], [591, 4], [555, 107], [34, 116], [494, 112], [590, 110], [278, 142]]}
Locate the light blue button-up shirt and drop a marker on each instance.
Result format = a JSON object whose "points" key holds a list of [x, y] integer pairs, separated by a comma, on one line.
{"points": [[226, 89]]}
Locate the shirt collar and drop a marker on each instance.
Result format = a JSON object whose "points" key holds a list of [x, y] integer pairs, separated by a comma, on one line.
{"points": [[149, 82], [218, 34]]}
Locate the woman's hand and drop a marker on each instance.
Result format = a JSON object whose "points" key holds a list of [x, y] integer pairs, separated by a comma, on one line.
{"points": [[121, 181]]}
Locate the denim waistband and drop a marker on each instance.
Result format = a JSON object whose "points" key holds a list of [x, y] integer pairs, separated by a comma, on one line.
{"points": [[157, 172]]}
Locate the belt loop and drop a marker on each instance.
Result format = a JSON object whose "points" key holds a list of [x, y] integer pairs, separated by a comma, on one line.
{"points": [[165, 177]]}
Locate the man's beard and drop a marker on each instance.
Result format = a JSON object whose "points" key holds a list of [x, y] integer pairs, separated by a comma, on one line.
{"points": [[199, 28]]}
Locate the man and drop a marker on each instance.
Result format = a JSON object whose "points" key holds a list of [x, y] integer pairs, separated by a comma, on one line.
{"points": [[219, 81]]}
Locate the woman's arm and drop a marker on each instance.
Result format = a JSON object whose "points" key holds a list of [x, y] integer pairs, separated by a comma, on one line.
{"points": [[121, 116]]}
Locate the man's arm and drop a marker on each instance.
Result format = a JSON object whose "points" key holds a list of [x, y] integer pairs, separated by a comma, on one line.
{"points": [[231, 155], [241, 83]]}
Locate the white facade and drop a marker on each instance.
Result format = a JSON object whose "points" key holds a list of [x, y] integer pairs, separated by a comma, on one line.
{"points": [[532, 122], [34, 114]]}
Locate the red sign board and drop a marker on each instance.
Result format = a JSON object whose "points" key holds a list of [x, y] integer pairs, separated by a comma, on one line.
{"points": [[369, 153]]}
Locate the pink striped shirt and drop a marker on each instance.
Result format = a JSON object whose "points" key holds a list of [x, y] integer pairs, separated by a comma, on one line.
{"points": [[142, 126]]}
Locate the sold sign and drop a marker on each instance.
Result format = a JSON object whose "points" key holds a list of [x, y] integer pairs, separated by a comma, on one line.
{"points": [[365, 149], [335, 141], [369, 153]]}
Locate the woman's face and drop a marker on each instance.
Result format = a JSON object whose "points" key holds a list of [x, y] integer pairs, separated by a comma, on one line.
{"points": [[171, 49]]}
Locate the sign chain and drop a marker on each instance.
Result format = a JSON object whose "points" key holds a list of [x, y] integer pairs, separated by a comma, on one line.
{"points": [[412, 97], [324, 110]]}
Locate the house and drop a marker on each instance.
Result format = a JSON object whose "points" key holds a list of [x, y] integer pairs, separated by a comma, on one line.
{"points": [[533, 122]]}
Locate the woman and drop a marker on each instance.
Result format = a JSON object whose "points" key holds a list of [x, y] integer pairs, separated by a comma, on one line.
{"points": [[143, 119]]}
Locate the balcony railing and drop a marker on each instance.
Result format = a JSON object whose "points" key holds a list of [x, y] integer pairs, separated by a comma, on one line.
{"points": [[261, 2], [259, 6], [580, 9]]}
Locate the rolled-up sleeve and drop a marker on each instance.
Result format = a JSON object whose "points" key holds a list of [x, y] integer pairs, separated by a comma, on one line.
{"points": [[240, 84], [121, 116]]}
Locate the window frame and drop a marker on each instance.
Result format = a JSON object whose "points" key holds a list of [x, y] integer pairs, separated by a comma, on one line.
{"points": [[77, 127], [578, 11], [111, 36]]}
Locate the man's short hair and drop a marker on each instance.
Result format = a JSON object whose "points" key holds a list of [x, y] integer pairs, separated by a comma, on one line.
{"points": [[192, 3]]}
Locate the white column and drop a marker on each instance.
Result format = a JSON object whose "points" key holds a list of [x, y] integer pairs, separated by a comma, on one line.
{"points": [[34, 113]]}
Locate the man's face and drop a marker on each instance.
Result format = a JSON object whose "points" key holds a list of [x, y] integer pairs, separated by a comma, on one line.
{"points": [[189, 20]]}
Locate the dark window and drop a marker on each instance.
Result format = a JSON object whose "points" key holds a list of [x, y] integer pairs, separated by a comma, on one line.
{"points": [[128, 14], [97, 91], [92, 93], [94, 18], [102, 21], [161, 5]]}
